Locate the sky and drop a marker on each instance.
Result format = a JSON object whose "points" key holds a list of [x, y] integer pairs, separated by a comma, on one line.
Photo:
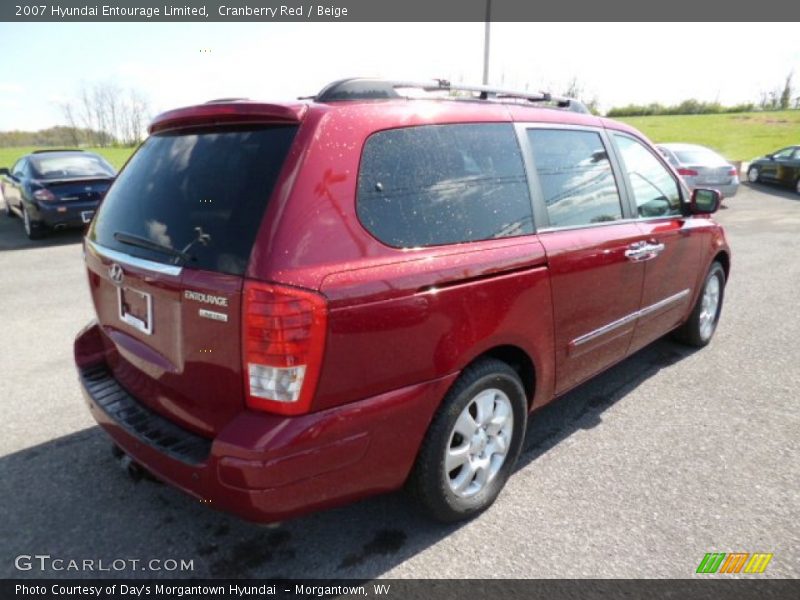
{"points": [[176, 64]]}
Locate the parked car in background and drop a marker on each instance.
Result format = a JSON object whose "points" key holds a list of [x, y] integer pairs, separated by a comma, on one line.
{"points": [[782, 167], [306, 303], [55, 189], [702, 167]]}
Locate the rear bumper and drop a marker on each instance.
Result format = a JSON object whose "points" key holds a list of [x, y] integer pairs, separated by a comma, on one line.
{"points": [[727, 190], [64, 214], [266, 467]]}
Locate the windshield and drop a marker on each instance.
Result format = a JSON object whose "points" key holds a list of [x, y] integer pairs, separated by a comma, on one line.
{"points": [[67, 166], [202, 193]]}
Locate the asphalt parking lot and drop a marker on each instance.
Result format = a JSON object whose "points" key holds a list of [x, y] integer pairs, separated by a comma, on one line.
{"points": [[638, 473]]}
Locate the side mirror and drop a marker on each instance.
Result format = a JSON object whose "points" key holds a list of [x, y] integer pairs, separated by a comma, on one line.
{"points": [[771, 156], [4, 171], [704, 201]]}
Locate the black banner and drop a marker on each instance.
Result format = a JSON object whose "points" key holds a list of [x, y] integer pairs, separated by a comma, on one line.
{"points": [[397, 10], [395, 589]]}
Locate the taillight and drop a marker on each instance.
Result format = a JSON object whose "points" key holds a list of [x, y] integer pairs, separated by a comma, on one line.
{"points": [[733, 172], [283, 337], [687, 172], [44, 195]]}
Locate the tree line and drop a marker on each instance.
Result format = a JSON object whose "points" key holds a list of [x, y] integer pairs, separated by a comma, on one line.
{"points": [[779, 98], [104, 114], [101, 114], [59, 136]]}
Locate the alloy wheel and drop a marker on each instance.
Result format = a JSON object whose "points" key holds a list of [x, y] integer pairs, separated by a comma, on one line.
{"points": [[479, 443], [710, 307], [752, 174]]}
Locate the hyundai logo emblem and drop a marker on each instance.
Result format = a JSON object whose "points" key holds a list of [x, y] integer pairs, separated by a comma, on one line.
{"points": [[116, 274]]}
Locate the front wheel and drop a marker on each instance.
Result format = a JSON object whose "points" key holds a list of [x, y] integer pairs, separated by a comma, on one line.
{"points": [[702, 323], [753, 175], [797, 185], [472, 444]]}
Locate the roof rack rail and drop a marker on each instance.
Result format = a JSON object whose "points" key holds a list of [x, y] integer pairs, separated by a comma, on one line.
{"points": [[359, 88], [57, 150]]}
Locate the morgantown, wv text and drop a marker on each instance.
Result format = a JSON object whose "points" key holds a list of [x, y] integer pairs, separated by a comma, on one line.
{"points": [[284, 11], [233, 590]]}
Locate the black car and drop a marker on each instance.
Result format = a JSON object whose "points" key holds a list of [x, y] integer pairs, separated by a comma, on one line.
{"points": [[55, 189], [781, 167]]}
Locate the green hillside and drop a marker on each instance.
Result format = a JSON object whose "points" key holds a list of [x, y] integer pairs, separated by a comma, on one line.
{"points": [[737, 136]]}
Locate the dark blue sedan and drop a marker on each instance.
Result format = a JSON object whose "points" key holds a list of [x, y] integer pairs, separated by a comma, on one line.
{"points": [[55, 189]]}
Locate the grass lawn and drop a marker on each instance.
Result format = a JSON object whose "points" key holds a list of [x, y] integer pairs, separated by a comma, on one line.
{"points": [[116, 156], [737, 136]]}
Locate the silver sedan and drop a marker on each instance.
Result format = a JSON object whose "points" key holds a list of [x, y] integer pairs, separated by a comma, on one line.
{"points": [[702, 167]]}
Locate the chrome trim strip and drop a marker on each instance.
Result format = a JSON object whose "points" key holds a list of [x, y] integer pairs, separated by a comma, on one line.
{"points": [[664, 303], [608, 328], [134, 261]]}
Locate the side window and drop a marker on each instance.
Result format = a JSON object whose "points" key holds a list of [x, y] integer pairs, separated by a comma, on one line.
{"points": [[443, 184], [654, 189], [18, 170], [576, 177], [784, 154]]}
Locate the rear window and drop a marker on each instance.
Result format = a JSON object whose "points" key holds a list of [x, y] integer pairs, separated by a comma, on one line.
{"points": [[699, 157], [60, 166], [443, 184], [202, 193]]}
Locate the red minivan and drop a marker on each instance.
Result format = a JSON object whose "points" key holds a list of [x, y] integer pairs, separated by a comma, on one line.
{"points": [[303, 304]]}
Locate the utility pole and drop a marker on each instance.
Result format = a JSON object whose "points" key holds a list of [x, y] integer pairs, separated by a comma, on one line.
{"points": [[486, 42]]}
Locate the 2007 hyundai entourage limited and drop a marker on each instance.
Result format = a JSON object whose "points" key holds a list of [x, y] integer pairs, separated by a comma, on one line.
{"points": [[303, 304]]}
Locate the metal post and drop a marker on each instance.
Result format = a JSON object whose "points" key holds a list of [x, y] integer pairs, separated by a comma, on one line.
{"points": [[486, 42]]}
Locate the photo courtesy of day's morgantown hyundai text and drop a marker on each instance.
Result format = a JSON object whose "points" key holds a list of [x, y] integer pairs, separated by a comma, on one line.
{"points": [[303, 304]]}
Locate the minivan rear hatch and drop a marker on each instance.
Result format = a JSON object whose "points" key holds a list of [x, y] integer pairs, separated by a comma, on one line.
{"points": [[166, 255]]}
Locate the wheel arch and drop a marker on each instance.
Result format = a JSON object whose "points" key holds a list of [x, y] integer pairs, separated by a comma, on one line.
{"points": [[723, 258], [519, 360]]}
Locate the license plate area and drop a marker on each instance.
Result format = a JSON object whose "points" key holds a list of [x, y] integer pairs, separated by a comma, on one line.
{"points": [[86, 216], [136, 309]]}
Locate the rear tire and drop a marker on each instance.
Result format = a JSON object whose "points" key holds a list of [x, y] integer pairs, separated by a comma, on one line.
{"points": [[33, 230], [753, 175], [472, 444], [702, 323]]}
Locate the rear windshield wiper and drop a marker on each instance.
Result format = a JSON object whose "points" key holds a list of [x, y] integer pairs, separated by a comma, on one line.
{"points": [[143, 242]]}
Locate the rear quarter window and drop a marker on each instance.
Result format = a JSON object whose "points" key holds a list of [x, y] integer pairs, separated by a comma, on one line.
{"points": [[443, 184], [212, 184]]}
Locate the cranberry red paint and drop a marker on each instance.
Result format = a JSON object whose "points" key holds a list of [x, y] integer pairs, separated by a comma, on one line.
{"points": [[313, 369]]}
